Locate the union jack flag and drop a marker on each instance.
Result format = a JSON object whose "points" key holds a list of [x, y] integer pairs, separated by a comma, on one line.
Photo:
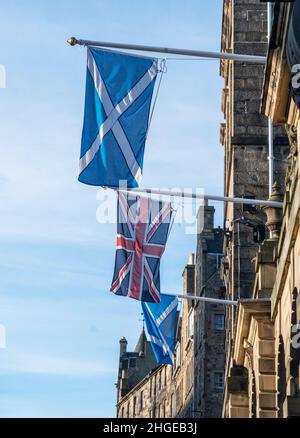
{"points": [[143, 229]]}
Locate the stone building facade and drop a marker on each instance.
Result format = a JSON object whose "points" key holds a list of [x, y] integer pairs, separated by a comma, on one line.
{"points": [[193, 385], [263, 355], [183, 372], [244, 136], [253, 348], [209, 319]]}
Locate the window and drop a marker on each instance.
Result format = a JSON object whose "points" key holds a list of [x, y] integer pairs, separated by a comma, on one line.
{"points": [[164, 409], [142, 400], [154, 386], [188, 378], [196, 335], [179, 397], [191, 325], [134, 406], [219, 322], [159, 411], [150, 384], [132, 363], [178, 356], [128, 410], [172, 408], [219, 381], [163, 375], [125, 364]]}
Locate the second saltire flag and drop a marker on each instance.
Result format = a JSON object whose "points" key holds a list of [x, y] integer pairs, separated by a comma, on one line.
{"points": [[119, 89], [143, 228], [160, 322]]}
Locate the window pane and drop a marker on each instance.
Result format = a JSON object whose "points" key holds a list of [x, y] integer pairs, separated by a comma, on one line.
{"points": [[219, 381], [132, 363], [142, 400], [219, 321]]}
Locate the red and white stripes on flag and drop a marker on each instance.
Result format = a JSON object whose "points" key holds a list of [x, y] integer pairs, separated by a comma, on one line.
{"points": [[143, 229]]}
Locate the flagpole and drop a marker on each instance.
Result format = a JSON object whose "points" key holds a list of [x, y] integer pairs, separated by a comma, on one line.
{"points": [[183, 194], [185, 52], [204, 299]]}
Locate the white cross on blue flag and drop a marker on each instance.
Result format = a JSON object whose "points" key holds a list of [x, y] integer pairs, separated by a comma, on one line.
{"points": [[160, 321], [119, 89]]}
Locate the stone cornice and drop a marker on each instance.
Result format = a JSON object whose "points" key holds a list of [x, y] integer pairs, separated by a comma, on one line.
{"points": [[290, 229], [247, 310], [275, 97]]}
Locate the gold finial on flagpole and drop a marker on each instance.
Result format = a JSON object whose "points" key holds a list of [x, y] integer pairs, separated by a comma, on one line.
{"points": [[72, 41]]}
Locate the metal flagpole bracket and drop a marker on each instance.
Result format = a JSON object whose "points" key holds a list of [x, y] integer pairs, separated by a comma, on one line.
{"points": [[184, 52], [204, 299], [218, 300], [173, 193]]}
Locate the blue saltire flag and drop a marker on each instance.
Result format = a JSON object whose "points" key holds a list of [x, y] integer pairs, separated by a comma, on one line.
{"points": [[160, 321], [119, 89]]}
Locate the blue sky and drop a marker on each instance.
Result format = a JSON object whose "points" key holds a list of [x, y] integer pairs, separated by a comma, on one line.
{"points": [[56, 261]]}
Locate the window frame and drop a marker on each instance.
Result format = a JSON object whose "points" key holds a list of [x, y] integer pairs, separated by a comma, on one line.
{"points": [[217, 387], [216, 325]]}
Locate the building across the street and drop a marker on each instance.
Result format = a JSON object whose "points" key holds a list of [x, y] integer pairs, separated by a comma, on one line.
{"points": [[209, 319]]}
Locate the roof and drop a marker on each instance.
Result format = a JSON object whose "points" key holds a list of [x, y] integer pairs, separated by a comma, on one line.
{"points": [[140, 346]]}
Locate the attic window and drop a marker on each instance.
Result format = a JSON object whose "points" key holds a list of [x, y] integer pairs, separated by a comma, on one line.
{"points": [[132, 363]]}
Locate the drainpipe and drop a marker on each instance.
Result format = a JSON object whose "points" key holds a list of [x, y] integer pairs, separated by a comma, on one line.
{"points": [[270, 123]]}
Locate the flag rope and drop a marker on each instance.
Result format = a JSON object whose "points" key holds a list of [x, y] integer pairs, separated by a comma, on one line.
{"points": [[162, 71]]}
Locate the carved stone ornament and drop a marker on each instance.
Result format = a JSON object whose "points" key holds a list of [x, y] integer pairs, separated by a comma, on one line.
{"points": [[274, 215]]}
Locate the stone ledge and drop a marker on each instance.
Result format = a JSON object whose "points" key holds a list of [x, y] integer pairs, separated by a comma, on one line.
{"points": [[263, 293], [267, 400], [267, 382], [266, 348], [266, 366], [239, 400], [264, 413], [248, 309], [238, 412]]}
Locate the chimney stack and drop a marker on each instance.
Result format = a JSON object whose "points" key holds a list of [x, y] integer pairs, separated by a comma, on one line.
{"points": [[189, 276]]}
